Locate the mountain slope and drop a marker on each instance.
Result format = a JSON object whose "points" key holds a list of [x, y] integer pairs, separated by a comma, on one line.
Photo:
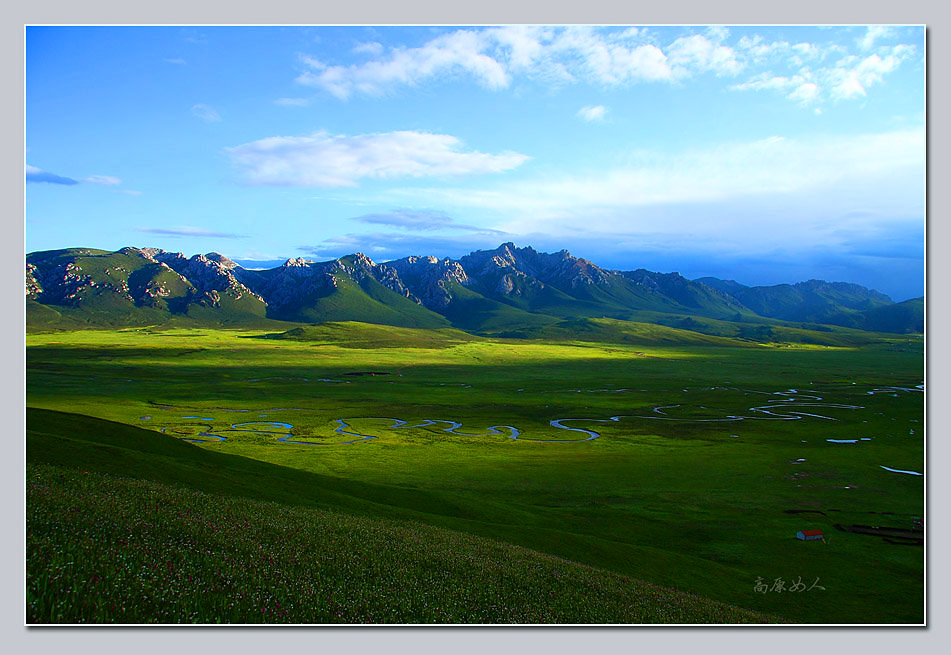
{"points": [[347, 289], [903, 317], [565, 286], [698, 298], [726, 286], [345, 299], [829, 303], [505, 289], [132, 286]]}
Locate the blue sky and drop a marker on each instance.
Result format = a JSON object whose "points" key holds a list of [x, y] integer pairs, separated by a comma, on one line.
{"points": [[760, 154]]}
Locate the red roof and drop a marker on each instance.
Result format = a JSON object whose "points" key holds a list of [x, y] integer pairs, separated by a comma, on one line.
{"points": [[812, 533]]}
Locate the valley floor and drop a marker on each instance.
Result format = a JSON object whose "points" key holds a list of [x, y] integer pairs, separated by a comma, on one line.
{"points": [[690, 466]]}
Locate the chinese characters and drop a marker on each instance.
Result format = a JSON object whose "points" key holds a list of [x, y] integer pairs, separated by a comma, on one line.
{"points": [[778, 586]]}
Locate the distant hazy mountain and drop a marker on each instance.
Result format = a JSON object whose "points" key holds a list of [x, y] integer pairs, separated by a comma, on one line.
{"points": [[502, 290], [830, 303], [726, 286], [904, 317]]}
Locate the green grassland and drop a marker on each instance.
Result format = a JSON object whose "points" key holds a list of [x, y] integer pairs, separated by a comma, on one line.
{"points": [[173, 555], [698, 504]]}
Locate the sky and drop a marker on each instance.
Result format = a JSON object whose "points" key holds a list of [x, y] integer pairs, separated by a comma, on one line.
{"points": [[761, 154]]}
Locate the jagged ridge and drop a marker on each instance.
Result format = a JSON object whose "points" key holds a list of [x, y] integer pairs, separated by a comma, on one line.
{"points": [[503, 289]]}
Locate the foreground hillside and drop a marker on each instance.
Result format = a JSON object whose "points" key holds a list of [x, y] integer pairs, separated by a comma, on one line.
{"points": [[103, 549], [505, 290]]}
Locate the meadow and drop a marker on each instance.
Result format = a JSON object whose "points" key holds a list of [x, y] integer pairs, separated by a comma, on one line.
{"points": [[173, 555], [720, 451]]}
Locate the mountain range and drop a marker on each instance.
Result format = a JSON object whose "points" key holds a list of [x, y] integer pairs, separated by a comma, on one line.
{"points": [[508, 291]]}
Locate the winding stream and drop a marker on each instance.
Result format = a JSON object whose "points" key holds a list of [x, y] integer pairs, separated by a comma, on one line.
{"points": [[785, 405], [901, 471]]}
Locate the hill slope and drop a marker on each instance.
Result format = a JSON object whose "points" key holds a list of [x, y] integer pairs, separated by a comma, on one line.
{"points": [[196, 553]]}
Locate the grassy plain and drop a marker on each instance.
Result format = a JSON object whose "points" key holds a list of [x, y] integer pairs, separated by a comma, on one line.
{"points": [[700, 504]]}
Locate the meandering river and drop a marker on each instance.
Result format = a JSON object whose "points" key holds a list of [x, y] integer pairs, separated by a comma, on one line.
{"points": [[788, 405]]}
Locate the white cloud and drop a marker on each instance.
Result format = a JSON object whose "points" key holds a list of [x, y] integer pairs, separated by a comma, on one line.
{"points": [[903, 51], [718, 33], [805, 93], [874, 33], [610, 57], [419, 220], [872, 68], [178, 62], [411, 219], [630, 33], [799, 88], [189, 231], [206, 113], [494, 56], [103, 179], [758, 50], [805, 51], [620, 65], [522, 46], [767, 169], [698, 54], [748, 43], [459, 51], [369, 48], [325, 160], [292, 102], [390, 245], [768, 81], [583, 53], [847, 87], [593, 113], [849, 77]]}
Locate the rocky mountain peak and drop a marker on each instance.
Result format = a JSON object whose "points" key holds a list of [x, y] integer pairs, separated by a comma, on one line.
{"points": [[428, 279], [167, 257], [137, 252], [33, 287], [359, 266], [210, 274], [428, 259], [363, 260], [220, 259], [560, 269]]}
